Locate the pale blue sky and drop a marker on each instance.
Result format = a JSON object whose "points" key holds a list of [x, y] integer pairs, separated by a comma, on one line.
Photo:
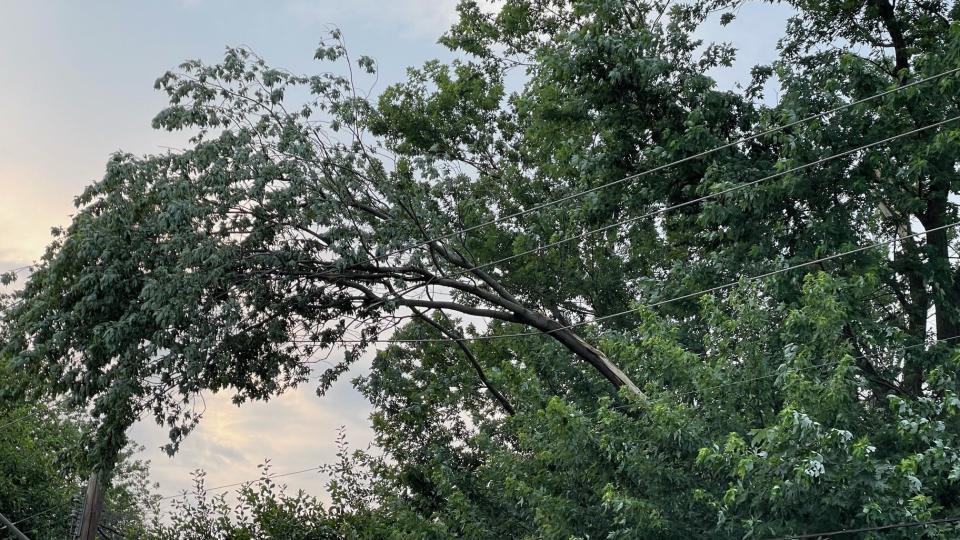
{"points": [[77, 82]]}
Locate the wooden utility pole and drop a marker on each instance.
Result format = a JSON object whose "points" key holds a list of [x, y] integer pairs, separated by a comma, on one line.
{"points": [[8, 527], [92, 507]]}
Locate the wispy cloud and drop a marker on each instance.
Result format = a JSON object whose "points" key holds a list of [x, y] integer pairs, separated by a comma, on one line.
{"points": [[413, 18], [295, 431]]}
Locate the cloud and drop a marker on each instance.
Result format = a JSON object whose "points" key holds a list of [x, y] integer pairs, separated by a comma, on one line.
{"points": [[294, 431], [414, 19]]}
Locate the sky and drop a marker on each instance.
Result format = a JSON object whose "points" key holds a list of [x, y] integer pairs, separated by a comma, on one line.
{"points": [[77, 85]]}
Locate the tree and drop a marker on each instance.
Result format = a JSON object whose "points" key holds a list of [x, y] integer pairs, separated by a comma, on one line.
{"points": [[42, 474], [34, 446], [809, 400], [265, 509]]}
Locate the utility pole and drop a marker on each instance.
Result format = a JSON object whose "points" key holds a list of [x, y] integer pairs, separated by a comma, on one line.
{"points": [[11, 529], [92, 507]]}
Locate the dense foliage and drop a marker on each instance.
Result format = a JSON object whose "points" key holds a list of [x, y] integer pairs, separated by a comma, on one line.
{"points": [[34, 476], [42, 475], [306, 216]]}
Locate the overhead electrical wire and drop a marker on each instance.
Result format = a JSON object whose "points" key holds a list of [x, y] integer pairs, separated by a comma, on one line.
{"points": [[662, 210], [629, 178], [750, 379], [16, 270], [700, 390], [658, 168], [541, 206], [17, 420], [797, 369], [245, 482], [657, 303], [684, 204], [43, 512], [22, 417], [940, 521]]}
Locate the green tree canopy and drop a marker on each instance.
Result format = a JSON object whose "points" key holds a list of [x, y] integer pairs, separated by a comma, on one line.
{"points": [[306, 216], [43, 474]]}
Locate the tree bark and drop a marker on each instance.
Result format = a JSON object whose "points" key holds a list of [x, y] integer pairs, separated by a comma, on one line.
{"points": [[892, 25]]}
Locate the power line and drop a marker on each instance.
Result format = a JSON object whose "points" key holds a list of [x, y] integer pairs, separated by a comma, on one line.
{"points": [[43, 512], [40, 513], [700, 390], [632, 177], [940, 521], [686, 203], [51, 508], [17, 270], [799, 369], [17, 420], [11, 528], [672, 164], [660, 211], [245, 482], [757, 378], [658, 303], [25, 416], [714, 387], [646, 306]]}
